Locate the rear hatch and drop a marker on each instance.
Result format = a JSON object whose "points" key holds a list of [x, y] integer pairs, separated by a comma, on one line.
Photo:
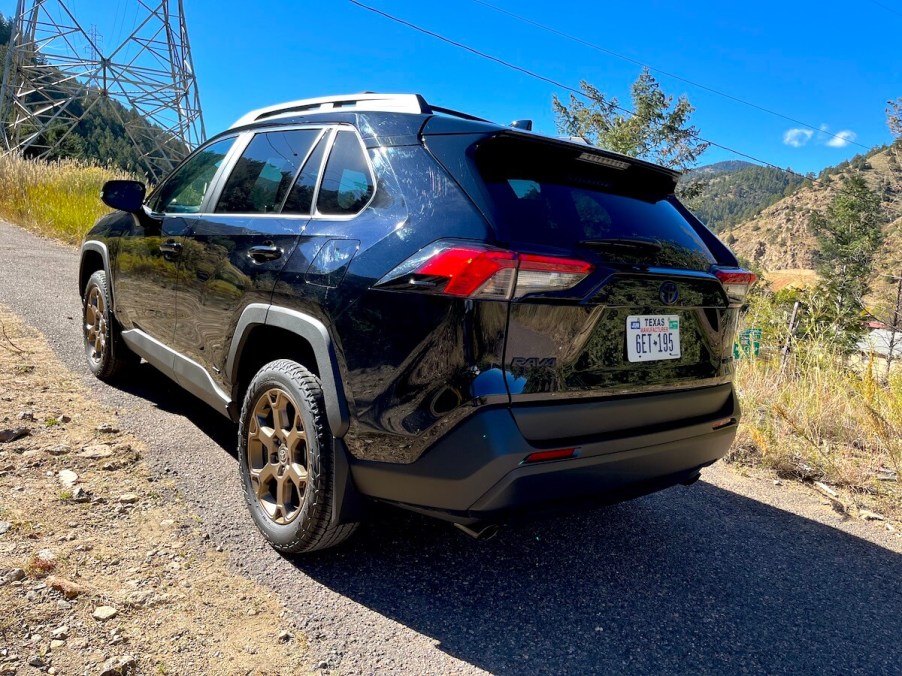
{"points": [[651, 316]]}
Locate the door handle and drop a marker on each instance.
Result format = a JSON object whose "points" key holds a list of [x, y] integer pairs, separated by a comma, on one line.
{"points": [[171, 247], [264, 252]]}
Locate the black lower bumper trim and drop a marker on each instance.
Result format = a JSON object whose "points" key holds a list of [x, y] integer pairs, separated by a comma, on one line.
{"points": [[477, 469]]}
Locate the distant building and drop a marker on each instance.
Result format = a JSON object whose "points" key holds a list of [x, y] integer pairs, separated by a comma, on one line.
{"points": [[877, 342]]}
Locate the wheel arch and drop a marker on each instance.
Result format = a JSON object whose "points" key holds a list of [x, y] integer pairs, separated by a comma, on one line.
{"points": [[287, 334], [94, 256]]}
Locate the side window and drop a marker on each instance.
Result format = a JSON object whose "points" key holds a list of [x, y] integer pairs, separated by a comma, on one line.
{"points": [[264, 172], [300, 199], [183, 192], [347, 184]]}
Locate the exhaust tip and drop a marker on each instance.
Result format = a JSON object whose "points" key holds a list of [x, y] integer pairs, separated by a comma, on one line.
{"points": [[691, 480], [479, 531]]}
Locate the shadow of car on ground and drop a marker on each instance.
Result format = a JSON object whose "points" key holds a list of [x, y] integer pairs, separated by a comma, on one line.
{"points": [[686, 580]]}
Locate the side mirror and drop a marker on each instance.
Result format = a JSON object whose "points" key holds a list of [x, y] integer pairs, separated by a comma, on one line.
{"points": [[123, 195]]}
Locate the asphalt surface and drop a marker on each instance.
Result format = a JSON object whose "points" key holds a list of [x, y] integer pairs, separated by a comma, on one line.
{"points": [[730, 575]]}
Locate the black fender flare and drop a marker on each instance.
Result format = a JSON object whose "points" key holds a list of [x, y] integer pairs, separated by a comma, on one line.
{"points": [[316, 334], [100, 248]]}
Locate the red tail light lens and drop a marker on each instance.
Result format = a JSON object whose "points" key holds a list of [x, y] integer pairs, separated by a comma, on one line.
{"points": [[476, 271], [469, 270], [545, 456], [736, 282]]}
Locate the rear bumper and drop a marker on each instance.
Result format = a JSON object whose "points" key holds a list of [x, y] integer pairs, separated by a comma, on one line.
{"points": [[477, 471]]}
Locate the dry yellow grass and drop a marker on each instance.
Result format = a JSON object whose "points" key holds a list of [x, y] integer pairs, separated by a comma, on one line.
{"points": [[60, 199], [822, 419]]}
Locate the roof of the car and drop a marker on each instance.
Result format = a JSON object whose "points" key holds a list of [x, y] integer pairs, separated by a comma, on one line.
{"points": [[389, 119]]}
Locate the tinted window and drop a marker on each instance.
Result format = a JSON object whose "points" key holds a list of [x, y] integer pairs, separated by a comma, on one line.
{"points": [[264, 172], [549, 197], [347, 185], [300, 199], [184, 191]]}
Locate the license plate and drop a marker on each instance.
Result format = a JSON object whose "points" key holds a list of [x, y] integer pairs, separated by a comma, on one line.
{"points": [[652, 337]]}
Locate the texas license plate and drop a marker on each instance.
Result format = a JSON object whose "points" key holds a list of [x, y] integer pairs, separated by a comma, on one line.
{"points": [[652, 337]]}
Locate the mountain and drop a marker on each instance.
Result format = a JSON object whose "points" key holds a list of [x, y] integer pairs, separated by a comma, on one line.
{"points": [[734, 191], [780, 237], [725, 167]]}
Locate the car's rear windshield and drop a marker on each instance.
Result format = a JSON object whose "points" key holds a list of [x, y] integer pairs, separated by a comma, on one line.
{"points": [[552, 196]]}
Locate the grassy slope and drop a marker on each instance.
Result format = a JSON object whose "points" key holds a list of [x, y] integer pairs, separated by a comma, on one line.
{"points": [[59, 199]]}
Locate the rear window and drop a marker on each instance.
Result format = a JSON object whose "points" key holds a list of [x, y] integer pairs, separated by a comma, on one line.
{"points": [[545, 195]]}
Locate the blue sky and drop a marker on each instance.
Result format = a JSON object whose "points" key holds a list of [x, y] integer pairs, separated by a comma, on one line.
{"points": [[832, 65]]}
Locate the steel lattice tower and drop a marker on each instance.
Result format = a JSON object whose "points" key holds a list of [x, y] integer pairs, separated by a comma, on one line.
{"points": [[56, 71]]}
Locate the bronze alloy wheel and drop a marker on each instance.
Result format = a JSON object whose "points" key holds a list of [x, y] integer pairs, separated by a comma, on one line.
{"points": [[277, 455], [95, 324], [286, 461]]}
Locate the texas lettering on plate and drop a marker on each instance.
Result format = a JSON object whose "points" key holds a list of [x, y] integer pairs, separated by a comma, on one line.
{"points": [[652, 337]]}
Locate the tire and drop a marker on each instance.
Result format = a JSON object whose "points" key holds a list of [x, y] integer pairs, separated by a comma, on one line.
{"points": [[285, 459], [108, 356]]}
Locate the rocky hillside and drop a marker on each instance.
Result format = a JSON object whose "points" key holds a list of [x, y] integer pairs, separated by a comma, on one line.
{"points": [[780, 236]]}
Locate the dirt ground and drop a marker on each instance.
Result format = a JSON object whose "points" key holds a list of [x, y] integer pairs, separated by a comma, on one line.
{"points": [[103, 569]]}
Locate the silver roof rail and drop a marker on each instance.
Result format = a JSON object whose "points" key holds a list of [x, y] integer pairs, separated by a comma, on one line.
{"points": [[395, 103]]}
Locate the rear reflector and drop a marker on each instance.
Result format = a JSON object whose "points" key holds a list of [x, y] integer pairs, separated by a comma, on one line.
{"points": [[543, 456], [478, 271], [736, 282], [720, 424]]}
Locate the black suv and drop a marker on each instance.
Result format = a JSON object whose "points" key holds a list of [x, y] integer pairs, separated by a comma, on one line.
{"points": [[404, 303]]}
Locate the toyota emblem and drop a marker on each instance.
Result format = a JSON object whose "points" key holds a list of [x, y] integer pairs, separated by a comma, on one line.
{"points": [[669, 293]]}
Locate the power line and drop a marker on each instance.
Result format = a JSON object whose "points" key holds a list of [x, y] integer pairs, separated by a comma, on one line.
{"points": [[712, 90], [578, 92], [887, 8]]}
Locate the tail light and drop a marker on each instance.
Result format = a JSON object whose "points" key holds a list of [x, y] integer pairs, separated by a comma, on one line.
{"points": [[477, 271], [736, 282]]}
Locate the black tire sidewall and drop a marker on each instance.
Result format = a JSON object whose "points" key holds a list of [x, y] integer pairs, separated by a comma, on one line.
{"points": [[105, 365], [300, 534]]}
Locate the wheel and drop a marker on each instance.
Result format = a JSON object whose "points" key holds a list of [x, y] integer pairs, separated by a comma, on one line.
{"points": [[285, 459], [108, 356]]}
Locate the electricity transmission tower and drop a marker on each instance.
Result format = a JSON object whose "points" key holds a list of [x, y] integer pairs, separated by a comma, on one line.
{"points": [[57, 73]]}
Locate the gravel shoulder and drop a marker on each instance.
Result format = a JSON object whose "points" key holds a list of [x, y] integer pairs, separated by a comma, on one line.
{"points": [[733, 574], [103, 566]]}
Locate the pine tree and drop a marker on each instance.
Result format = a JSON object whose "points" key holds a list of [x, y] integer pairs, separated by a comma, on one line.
{"points": [[849, 234], [659, 130]]}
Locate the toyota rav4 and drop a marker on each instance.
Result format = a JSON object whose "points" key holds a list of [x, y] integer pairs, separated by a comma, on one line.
{"points": [[403, 303]]}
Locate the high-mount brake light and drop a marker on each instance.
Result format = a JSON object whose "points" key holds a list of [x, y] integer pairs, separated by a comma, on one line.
{"points": [[477, 271], [736, 282]]}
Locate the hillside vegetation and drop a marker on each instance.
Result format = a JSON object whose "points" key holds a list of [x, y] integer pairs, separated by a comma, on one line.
{"points": [[734, 191]]}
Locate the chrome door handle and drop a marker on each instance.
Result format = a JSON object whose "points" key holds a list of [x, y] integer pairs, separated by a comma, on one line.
{"points": [[264, 252]]}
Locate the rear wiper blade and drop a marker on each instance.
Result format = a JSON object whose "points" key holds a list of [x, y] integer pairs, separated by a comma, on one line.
{"points": [[623, 244]]}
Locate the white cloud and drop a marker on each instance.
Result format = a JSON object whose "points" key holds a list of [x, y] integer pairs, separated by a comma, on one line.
{"points": [[842, 138], [797, 137]]}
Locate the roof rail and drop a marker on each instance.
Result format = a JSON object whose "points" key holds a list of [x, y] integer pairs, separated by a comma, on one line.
{"points": [[397, 103]]}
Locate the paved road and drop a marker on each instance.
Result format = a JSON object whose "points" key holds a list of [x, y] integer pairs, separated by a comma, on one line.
{"points": [[731, 575]]}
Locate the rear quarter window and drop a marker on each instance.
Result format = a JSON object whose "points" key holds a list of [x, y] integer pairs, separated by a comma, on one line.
{"points": [[347, 184]]}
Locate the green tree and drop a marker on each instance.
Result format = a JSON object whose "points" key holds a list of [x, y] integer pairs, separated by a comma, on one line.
{"points": [[848, 233], [659, 130]]}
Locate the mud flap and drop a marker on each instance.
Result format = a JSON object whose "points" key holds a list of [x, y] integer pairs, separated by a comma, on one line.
{"points": [[347, 506]]}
